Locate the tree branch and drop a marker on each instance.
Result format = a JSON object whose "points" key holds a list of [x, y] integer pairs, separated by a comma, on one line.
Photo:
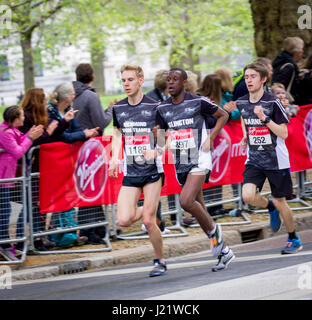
{"points": [[44, 17]]}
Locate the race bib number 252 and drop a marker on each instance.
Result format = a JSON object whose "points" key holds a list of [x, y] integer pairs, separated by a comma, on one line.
{"points": [[259, 137]]}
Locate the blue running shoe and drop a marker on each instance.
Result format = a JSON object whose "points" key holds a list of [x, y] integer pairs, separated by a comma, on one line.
{"points": [[292, 246], [275, 220], [158, 270]]}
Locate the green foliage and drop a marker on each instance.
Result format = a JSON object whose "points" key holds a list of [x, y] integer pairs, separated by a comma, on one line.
{"points": [[217, 29], [185, 30]]}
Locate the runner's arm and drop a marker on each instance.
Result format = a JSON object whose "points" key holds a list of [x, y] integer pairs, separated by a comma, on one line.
{"points": [[116, 145], [279, 130], [223, 117], [243, 142]]}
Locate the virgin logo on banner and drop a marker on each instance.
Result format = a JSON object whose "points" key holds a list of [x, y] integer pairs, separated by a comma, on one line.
{"points": [[76, 175], [91, 169]]}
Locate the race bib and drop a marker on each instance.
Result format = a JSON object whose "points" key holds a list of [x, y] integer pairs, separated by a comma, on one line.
{"points": [[136, 145], [182, 139], [259, 138]]}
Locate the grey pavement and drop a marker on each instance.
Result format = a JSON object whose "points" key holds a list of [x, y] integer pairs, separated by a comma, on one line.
{"points": [[173, 247]]}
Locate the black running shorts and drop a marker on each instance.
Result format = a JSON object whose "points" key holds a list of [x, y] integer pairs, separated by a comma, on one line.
{"points": [[181, 177], [140, 182], [279, 180]]}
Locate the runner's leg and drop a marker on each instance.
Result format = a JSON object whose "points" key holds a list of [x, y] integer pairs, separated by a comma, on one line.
{"points": [[192, 202], [251, 196], [127, 211], [151, 200], [286, 213]]}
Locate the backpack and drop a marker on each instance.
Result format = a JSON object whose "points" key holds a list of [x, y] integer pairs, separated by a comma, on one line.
{"points": [[237, 77], [65, 219]]}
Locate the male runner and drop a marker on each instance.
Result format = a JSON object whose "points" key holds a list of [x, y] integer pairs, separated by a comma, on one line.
{"points": [[187, 117], [133, 119], [264, 123]]}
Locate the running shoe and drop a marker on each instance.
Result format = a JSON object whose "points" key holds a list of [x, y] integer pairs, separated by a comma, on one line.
{"points": [[165, 231], [8, 254], [292, 246], [275, 220], [216, 241], [224, 260], [187, 221], [158, 270]]}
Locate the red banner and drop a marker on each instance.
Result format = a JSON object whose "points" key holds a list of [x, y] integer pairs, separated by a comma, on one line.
{"points": [[76, 175]]}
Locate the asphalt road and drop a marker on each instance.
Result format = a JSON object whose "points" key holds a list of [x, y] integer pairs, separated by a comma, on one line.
{"points": [[259, 272]]}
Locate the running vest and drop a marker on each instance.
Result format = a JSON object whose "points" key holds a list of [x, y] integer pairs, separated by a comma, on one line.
{"points": [[136, 124], [187, 124], [264, 150]]}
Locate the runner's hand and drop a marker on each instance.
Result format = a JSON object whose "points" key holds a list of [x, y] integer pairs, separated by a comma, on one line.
{"points": [[150, 154], [243, 143], [230, 106], [258, 111], [113, 169], [207, 145]]}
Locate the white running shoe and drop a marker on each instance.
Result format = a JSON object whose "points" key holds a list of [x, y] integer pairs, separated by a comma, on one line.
{"points": [[224, 260]]}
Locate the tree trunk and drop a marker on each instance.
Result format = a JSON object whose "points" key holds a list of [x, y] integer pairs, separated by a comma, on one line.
{"points": [[97, 57], [28, 61], [275, 20]]}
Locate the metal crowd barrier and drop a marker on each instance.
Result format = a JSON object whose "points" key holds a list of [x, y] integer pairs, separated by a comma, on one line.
{"points": [[25, 196], [174, 209], [301, 186], [33, 194], [13, 210], [218, 197]]}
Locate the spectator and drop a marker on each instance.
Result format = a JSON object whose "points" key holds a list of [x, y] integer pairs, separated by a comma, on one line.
{"points": [[211, 88], [160, 91], [15, 145], [60, 101], [91, 113], [191, 82], [20, 97], [227, 90], [240, 88], [34, 105], [305, 77], [279, 91], [285, 69]]}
